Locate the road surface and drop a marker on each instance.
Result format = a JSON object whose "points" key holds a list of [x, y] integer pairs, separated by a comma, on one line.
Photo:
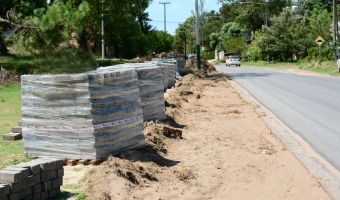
{"points": [[308, 104]]}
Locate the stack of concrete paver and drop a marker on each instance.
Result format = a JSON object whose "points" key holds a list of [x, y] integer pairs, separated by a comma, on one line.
{"points": [[37, 179], [171, 74], [151, 93], [81, 116], [168, 71], [180, 64], [15, 134], [164, 73], [150, 81]]}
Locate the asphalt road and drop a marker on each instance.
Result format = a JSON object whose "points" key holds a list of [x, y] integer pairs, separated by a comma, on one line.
{"points": [[308, 104]]}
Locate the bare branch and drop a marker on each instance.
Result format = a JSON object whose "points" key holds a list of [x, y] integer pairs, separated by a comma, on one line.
{"points": [[17, 25]]}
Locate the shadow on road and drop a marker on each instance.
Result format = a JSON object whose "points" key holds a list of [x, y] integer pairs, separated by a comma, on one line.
{"points": [[232, 76]]}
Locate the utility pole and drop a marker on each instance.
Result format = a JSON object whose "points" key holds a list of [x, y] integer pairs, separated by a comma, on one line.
{"points": [[335, 22], [198, 49], [103, 45], [164, 4]]}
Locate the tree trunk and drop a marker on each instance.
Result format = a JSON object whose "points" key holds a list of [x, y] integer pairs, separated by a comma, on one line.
{"points": [[3, 48]]}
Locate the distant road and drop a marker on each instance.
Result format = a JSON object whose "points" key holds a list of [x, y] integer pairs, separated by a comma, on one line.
{"points": [[308, 104]]}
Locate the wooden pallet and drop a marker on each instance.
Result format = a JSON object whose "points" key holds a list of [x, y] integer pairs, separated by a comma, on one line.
{"points": [[82, 162]]}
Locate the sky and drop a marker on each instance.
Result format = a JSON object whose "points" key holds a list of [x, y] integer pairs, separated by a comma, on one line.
{"points": [[176, 12]]}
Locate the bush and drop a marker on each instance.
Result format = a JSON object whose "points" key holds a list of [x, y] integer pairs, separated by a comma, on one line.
{"points": [[327, 53]]}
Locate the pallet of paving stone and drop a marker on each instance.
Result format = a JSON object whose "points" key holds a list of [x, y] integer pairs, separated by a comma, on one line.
{"points": [[168, 72], [81, 116], [150, 83]]}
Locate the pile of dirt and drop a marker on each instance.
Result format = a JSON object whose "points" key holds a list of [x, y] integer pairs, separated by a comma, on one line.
{"points": [[156, 133], [206, 67], [158, 55]]}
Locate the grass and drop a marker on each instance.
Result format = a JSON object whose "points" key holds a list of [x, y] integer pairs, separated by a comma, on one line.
{"points": [[11, 152], [326, 67], [271, 64]]}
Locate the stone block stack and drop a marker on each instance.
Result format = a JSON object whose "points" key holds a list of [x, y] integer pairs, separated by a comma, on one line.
{"points": [[180, 64], [170, 74], [150, 82], [15, 134], [81, 116], [37, 179]]}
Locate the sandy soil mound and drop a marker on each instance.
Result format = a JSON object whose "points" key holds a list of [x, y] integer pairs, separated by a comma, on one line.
{"points": [[213, 146]]}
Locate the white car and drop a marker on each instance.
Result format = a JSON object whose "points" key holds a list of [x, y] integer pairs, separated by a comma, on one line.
{"points": [[233, 60]]}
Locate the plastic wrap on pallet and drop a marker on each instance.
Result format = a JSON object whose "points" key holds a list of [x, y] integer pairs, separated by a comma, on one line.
{"points": [[170, 73], [163, 71], [179, 62], [81, 116], [150, 83]]}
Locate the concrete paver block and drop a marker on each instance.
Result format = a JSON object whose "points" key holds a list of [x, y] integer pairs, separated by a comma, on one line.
{"points": [[10, 176], [4, 189], [18, 186], [37, 188], [33, 166], [12, 136], [24, 171], [17, 129]]}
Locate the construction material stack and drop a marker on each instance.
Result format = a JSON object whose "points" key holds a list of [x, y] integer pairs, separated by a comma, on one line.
{"points": [[180, 65], [37, 179], [81, 116], [150, 81]]}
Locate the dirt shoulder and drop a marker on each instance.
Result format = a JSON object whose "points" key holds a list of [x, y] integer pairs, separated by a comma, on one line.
{"points": [[214, 146]]}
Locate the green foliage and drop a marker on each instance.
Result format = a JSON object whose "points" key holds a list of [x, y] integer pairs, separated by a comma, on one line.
{"points": [[160, 41], [66, 61], [327, 67], [309, 5], [288, 34], [81, 196], [21, 64], [229, 38], [235, 45], [127, 31], [186, 33], [252, 14], [125, 25], [327, 53], [49, 29], [254, 51], [320, 20]]}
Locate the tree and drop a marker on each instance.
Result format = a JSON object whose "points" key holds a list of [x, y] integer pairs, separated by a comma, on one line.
{"points": [[186, 34], [15, 9], [49, 29], [160, 41], [227, 38], [252, 14], [288, 34], [235, 45], [211, 22], [320, 22], [310, 5]]}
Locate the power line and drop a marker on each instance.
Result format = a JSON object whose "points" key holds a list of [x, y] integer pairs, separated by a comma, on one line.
{"points": [[166, 21], [164, 4]]}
